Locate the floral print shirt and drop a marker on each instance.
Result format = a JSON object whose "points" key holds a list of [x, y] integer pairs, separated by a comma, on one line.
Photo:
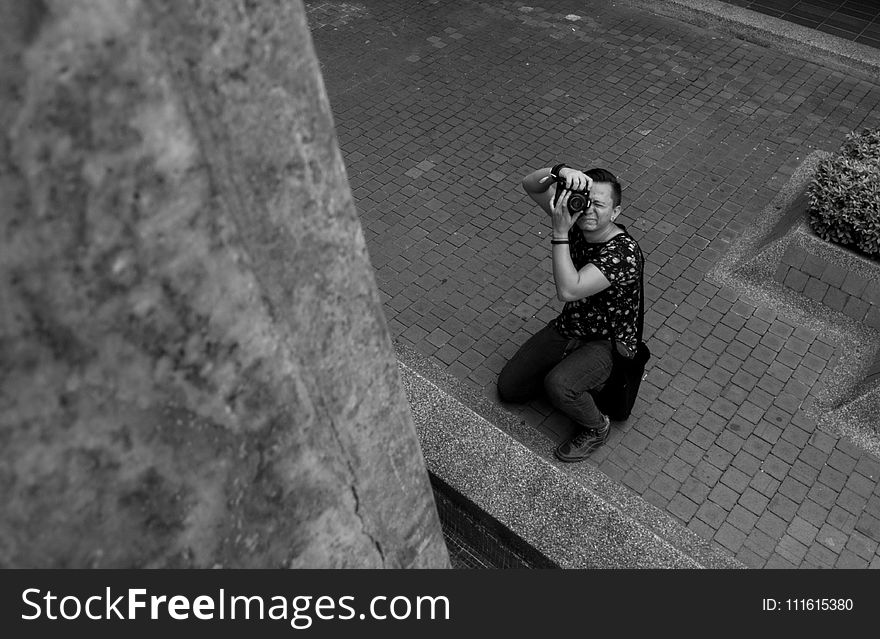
{"points": [[611, 311]]}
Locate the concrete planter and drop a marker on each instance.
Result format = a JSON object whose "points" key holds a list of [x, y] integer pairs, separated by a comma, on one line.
{"points": [[824, 287], [832, 275]]}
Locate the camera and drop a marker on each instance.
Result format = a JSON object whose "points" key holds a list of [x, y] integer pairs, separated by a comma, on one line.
{"points": [[578, 201]]}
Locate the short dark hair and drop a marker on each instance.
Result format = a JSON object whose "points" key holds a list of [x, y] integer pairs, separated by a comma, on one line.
{"points": [[603, 175]]}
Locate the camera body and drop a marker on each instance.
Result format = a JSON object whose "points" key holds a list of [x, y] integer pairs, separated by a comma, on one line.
{"points": [[578, 201]]}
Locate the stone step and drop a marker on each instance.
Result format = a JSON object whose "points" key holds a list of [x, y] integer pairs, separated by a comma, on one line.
{"points": [[572, 514]]}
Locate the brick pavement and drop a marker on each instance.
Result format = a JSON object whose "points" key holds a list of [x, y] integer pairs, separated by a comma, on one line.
{"points": [[442, 107]]}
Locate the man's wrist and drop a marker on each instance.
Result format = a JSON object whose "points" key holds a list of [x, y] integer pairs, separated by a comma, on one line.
{"points": [[554, 172]]}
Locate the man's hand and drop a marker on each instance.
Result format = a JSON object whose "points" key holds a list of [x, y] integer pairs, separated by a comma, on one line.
{"points": [[560, 217], [543, 189], [574, 180]]}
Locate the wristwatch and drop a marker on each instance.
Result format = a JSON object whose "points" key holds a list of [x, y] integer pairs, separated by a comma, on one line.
{"points": [[554, 172]]}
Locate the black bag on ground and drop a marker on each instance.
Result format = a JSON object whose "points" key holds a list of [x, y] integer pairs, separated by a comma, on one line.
{"points": [[617, 396]]}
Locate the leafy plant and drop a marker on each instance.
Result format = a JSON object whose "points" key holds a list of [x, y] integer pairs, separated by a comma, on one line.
{"points": [[844, 196]]}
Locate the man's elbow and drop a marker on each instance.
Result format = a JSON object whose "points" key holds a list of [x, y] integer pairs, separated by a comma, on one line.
{"points": [[567, 296]]}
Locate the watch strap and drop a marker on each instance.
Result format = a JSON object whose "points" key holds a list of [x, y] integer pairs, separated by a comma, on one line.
{"points": [[554, 172]]}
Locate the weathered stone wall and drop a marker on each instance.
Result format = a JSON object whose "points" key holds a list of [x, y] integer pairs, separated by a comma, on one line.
{"points": [[194, 366]]}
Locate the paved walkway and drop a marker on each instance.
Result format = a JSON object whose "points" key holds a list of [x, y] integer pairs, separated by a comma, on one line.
{"points": [[855, 20], [442, 106]]}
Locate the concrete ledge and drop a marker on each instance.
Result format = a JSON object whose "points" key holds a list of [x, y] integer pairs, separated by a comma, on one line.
{"points": [[793, 39], [571, 513]]}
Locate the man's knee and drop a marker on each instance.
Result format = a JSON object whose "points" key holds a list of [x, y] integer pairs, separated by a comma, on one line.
{"points": [[560, 390]]}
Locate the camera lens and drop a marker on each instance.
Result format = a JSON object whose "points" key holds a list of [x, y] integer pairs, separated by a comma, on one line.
{"points": [[577, 202]]}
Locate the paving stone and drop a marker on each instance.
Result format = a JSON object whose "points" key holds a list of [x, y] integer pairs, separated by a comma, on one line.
{"points": [[832, 478], [791, 549], [822, 494], [782, 506], [701, 528], [861, 485], [873, 506], [742, 519], [819, 556], [848, 559], [777, 562], [869, 526], [851, 501], [812, 512], [861, 545], [746, 462], [753, 500], [803, 530], [730, 537], [665, 485], [868, 467], [750, 558], [831, 538], [842, 519], [682, 507]]}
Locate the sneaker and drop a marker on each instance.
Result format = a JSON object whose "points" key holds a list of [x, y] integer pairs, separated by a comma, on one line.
{"points": [[585, 442]]}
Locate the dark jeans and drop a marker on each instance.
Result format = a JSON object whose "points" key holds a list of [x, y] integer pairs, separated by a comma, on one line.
{"points": [[566, 369]]}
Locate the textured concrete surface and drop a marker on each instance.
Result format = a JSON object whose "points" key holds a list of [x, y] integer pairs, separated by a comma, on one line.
{"points": [[195, 369], [442, 107]]}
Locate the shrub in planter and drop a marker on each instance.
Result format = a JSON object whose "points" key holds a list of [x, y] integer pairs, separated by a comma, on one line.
{"points": [[843, 199]]}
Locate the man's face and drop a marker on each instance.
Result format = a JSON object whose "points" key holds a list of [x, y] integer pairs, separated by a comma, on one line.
{"points": [[601, 211]]}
